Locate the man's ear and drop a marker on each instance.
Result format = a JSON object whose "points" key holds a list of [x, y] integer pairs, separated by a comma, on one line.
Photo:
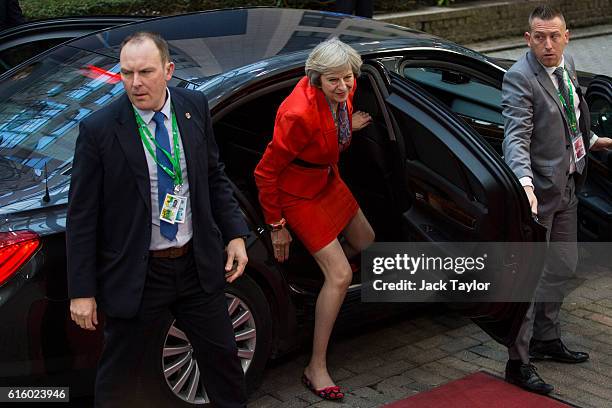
{"points": [[527, 36], [169, 70]]}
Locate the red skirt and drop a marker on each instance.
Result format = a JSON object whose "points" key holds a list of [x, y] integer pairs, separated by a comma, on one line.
{"points": [[318, 221]]}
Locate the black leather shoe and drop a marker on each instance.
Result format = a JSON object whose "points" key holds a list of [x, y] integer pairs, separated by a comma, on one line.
{"points": [[555, 350], [526, 377]]}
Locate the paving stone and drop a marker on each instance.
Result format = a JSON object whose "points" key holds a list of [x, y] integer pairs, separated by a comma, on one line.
{"points": [[452, 321], [430, 355], [480, 335], [586, 399], [423, 376], [444, 370], [458, 364], [459, 344], [497, 367], [390, 369], [488, 352], [332, 404], [368, 396], [294, 402], [288, 392], [397, 381], [602, 391], [434, 341], [362, 365], [607, 320], [265, 402], [359, 381], [467, 355], [339, 374], [467, 330], [402, 353]]}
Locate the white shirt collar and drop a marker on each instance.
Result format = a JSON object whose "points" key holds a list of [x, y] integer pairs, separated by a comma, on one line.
{"points": [[551, 70], [147, 115]]}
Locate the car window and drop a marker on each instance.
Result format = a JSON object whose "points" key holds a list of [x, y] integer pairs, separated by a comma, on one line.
{"points": [[40, 108], [470, 94], [465, 95], [11, 57]]}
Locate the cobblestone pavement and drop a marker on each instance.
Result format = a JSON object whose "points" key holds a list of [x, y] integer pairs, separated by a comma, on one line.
{"points": [[395, 361], [592, 54]]}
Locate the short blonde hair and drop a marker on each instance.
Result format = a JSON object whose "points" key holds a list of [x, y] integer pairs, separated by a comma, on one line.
{"points": [[330, 55]]}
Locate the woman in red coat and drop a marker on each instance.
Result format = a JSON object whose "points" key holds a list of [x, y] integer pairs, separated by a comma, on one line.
{"points": [[299, 186]]}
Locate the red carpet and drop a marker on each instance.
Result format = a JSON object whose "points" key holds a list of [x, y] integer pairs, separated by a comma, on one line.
{"points": [[478, 390]]}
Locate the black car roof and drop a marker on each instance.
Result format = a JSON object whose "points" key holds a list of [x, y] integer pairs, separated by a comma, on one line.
{"points": [[222, 50]]}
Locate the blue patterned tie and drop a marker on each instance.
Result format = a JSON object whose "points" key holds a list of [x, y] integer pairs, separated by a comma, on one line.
{"points": [[165, 184]]}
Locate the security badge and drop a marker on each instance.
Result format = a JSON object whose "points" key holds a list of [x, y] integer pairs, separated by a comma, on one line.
{"points": [[173, 209], [579, 150]]}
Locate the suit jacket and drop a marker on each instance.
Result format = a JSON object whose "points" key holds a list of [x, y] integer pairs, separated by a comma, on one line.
{"points": [[108, 229], [304, 129], [537, 134]]}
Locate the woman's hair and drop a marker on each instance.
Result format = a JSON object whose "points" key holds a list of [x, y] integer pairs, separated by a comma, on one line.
{"points": [[330, 55]]}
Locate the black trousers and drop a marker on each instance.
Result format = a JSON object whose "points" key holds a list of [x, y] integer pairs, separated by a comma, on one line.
{"points": [[129, 372]]}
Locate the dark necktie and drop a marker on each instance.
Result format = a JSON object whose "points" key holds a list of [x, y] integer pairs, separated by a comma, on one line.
{"points": [[165, 184], [565, 93]]}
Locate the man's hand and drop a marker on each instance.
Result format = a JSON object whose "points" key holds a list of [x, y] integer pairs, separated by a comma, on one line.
{"points": [[533, 201], [236, 259], [602, 143], [361, 120], [83, 312]]}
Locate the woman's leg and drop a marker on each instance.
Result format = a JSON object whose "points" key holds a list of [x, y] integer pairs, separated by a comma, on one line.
{"points": [[359, 235], [338, 275]]}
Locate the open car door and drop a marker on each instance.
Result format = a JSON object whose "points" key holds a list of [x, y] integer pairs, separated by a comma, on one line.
{"points": [[462, 190], [595, 199]]}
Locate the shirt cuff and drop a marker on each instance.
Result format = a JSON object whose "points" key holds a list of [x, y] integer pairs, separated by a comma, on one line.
{"points": [[526, 181], [593, 140]]}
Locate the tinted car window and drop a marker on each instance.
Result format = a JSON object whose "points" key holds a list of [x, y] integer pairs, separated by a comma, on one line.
{"points": [[464, 95], [40, 108], [14, 56]]}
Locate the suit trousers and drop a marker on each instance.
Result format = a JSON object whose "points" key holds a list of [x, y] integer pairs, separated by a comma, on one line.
{"points": [[542, 319], [130, 368]]}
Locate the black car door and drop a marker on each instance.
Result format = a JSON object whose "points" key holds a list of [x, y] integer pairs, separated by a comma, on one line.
{"points": [[470, 86], [460, 189], [595, 211]]}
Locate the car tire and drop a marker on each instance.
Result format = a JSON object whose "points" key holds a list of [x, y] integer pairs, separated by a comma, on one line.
{"points": [[250, 314]]}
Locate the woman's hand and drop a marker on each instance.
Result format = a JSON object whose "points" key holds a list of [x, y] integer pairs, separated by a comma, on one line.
{"points": [[361, 120], [280, 242]]}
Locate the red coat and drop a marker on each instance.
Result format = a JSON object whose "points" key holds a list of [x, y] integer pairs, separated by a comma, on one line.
{"points": [[304, 129]]}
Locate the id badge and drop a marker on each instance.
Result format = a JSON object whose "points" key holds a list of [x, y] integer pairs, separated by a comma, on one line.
{"points": [[170, 208], [182, 209], [579, 150]]}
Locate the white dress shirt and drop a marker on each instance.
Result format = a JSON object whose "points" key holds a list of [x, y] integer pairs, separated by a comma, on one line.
{"points": [[185, 230]]}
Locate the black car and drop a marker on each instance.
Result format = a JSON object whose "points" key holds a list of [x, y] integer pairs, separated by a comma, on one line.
{"points": [[429, 168]]}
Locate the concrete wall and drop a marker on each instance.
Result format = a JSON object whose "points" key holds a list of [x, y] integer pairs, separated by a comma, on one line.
{"points": [[486, 20]]}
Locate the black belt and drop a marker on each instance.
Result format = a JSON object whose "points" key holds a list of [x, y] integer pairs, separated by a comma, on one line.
{"points": [[304, 163]]}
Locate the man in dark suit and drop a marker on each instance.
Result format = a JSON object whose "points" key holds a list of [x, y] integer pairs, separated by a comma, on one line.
{"points": [[128, 252], [547, 135], [10, 14]]}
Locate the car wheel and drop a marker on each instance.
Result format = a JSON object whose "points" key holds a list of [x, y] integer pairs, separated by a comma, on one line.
{"points": [[250, 314]]}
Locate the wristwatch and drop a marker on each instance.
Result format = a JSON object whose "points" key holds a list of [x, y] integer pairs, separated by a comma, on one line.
{"points": [[277, 226]]}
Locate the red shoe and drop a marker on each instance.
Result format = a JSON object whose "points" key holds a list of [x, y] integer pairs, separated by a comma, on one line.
{"points": [[331, 393]]}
